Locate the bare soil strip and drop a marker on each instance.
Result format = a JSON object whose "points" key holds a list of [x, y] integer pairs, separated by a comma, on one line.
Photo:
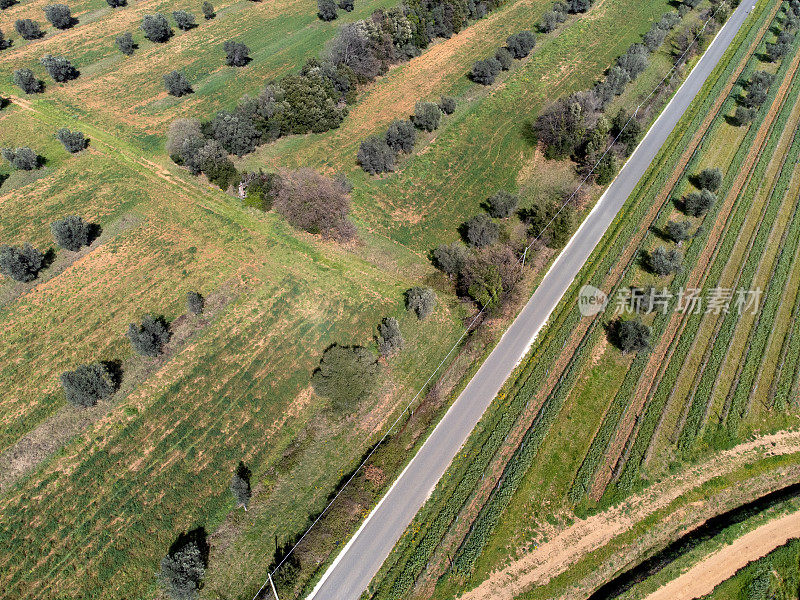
{"points": [[576, 541], [703, 577]]}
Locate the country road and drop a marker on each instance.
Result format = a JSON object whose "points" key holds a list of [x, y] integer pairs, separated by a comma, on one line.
{"points": [[357, 563]]}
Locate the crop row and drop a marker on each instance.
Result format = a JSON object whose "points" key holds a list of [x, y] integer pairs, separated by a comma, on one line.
{"points": [[598, 450], [787, 373], [418, 543], [702, 396]]}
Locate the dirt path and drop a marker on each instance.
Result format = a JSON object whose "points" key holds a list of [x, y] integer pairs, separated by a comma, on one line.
{"points": [[573, 543], [713, 570]]}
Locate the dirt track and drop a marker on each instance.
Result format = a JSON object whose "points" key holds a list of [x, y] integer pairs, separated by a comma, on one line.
{"points": [[568, 547], [716, 568]]}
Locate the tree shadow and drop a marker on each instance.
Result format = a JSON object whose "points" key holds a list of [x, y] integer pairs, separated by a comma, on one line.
{"points": [[4, 102], [95, 230], [528, 133], [244, 472], [197, 536], [48, 258], [115, 369], [660, 233]]}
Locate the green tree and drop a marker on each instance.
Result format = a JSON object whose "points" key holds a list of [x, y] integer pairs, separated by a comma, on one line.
{"points": [[71, 232], [20, 263], [149, 338], [421, 300], [88, 384], [346, 376]]}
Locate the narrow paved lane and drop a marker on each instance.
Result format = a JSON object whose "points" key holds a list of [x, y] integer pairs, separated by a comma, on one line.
{"points": [[361, 558]]}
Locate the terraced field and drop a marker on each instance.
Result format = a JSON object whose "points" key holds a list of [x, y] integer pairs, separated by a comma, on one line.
{"points": [[581, 423]]}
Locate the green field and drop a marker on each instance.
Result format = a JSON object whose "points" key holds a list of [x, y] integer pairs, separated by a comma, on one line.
{"points": [[582, 426], [92, 514]]}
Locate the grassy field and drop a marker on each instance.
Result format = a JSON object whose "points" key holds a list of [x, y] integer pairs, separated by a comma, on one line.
{"points": [[92, 516], [584, 413]]}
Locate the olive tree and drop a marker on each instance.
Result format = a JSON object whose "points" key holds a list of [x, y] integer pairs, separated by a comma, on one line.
{"points": [[27, 81], [73, 141], [28, 29], [184, 19], [390, 340], [697, 204], [346, 376], [665, 262], [481, 231], [632, 336], [678, 231], [88, 384], [23, 158], [450, 258], [20, 263], [240, 485], [59, 16], [208, 10], [125, 43], [520, 44], [427, 116], [375, 155], [182, 571], [59, 68], [156, 28], [149, 338], [177, 85], [237, 54], [195, 303], [503, 56], [71, 232], [485, 71], [327, 10], [447, 105], [420, 300], [401, 136], [709, 179], [117, 3], [502, 204]]}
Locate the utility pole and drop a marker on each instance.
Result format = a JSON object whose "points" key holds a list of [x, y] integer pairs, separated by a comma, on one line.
{"points": [[274, 591]]}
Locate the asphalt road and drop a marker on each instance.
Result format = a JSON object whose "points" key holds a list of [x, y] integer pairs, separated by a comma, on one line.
{"points": [[361, 558]]}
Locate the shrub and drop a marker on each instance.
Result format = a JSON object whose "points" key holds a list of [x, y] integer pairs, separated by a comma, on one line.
{"points": [[606, 169], [327, 10], [314, 203], [117, 3], [426, 116], [482, 282], [632, 336], [181, 572], [678, 231], [73, 141], [208, 10], [59, 68], [346, 376], [375, 155], [447, 105], [503, 56], [59, 16], [401, 136], [195, 303], [481, 231], [390, 340], [181, 130], [20, 263], [502, 204], [549, 221], [450, 258], [125, 43], [23, 158], [420, 300], [27, 81], [346, 5], [184, 20], [237, 54], [240, 485], [156, 28], [579, 6], [692, 3], [177, 84], [710, 179], [665, 262], [28, 29], [71, 233], [654, 38], [485, 71], [697, 204], [562, 126], [88, 384], [520, 44], [550, 21], [149, 338]]}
